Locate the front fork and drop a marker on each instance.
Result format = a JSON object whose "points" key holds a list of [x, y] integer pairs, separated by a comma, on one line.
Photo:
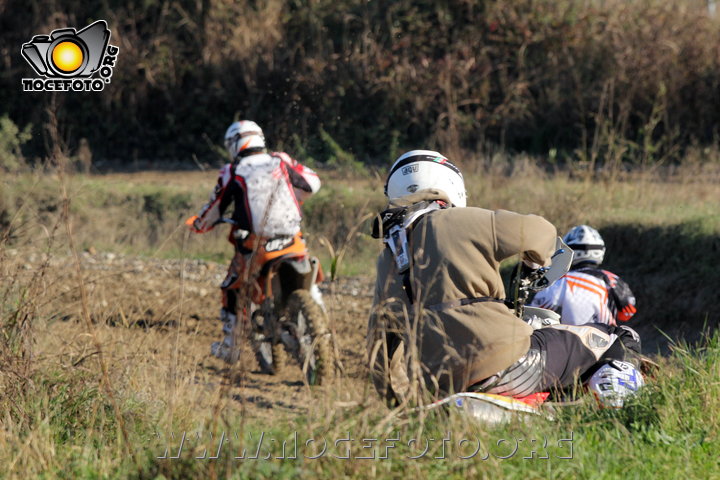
{"points": [[263, 318]]}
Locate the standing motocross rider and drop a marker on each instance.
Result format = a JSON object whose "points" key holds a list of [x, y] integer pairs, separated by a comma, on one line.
{"points": [[266, 192]]}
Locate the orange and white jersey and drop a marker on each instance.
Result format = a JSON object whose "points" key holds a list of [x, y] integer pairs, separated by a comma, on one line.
{"points": [[266, 191], [588, 296]]}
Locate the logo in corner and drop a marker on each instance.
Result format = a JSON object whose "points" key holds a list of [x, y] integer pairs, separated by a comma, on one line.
{"points": [[70, 60]]}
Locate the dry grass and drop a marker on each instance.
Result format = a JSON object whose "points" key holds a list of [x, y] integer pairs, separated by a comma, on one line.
{"points": [[153, 321]]}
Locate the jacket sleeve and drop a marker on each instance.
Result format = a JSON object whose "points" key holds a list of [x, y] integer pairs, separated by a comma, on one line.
{"points": [[219, 201], [383, 339], [304, 180], [529, 235], [621, 298]]}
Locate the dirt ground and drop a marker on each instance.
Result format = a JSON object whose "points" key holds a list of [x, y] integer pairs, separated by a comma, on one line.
{"points": [[155, 320]]}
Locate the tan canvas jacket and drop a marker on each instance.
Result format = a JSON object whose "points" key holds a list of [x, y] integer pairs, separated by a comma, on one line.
{"points": [[456, 254]]}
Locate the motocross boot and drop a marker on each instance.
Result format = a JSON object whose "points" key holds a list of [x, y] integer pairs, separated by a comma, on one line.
{"points": [[227, 350]]}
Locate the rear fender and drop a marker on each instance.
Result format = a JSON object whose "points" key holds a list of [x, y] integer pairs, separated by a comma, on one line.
{"points": [[293, 272], [302, 265], [290, 274]]}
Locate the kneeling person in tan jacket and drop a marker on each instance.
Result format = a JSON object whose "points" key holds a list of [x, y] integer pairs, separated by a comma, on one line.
{"points": [[439, 323]]}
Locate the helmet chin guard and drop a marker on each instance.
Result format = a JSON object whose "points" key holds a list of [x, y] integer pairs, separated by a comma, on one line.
{"points": [[421, 169]]}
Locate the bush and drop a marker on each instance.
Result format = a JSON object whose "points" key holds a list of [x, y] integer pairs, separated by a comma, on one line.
{"points": [[11, 139], [597, 82]]}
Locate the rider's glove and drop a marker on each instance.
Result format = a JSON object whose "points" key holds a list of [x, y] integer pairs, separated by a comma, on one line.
{"points": [[193, 223], [528, 269]]}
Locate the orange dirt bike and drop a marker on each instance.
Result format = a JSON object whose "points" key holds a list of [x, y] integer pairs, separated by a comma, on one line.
{"points": [[287, 314]]}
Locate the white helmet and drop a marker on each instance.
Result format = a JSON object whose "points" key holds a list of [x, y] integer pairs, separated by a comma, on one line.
{"points": [[587, 244], [420, 169], [614, 382], [243, 138]]}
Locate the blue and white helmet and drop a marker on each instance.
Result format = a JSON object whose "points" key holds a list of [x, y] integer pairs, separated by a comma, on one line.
{"points": [[586, 242], [614, 382], [421, 169]]}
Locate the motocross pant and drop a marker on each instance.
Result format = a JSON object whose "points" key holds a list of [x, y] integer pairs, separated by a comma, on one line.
{"points": [[234, 280], [559, 355], [231, 289]]}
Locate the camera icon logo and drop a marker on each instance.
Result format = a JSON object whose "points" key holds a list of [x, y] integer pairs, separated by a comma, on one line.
{"points": [[68, 59]]}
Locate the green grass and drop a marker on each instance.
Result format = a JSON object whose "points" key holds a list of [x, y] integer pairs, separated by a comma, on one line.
{"points": [[671, 430]]}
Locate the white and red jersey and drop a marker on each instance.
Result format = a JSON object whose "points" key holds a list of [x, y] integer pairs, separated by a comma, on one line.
{"points": [[588, 295], [266, 190]]}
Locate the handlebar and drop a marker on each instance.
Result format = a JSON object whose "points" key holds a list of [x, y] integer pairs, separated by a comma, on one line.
{"points": [[225, 220], [238, 233], [527, 280], [190, 222]]}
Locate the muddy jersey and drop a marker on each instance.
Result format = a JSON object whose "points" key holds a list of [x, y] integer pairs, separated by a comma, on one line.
{"points": [[266, 191], [588, 295]]}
